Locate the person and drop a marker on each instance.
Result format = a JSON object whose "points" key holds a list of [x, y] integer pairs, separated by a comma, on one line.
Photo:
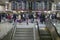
{"points": [[23, 17], [19, 18], [27, 17], [37, 15], [42, 17], [14, 17], [0, 17], [9, 17], [32, 18]]}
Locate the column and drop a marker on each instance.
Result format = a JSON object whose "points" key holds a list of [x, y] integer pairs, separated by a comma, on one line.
{"points": [[27, 5], [53, 6], [30, 5], [23, 5], [6, 6], [47, 5], [10, 6], [18, 5], [14, 5], [42, 5]]}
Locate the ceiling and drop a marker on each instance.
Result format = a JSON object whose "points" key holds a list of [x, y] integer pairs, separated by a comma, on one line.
{"points": [[3, 1]]}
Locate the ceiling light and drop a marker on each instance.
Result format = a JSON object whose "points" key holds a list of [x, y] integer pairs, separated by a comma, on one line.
{"points": [[59, 3], [22, 11], [6, 2]]}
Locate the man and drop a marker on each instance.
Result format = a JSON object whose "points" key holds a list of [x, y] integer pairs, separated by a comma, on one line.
{"points": [[14, 17], [42, 17]]}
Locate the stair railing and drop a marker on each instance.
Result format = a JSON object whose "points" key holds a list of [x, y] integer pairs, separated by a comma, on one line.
{"points": [[14, 30], [36, 28], [34, 35]]}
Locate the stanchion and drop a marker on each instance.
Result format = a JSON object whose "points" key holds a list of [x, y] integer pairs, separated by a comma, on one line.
{"points": [[27, 21]]}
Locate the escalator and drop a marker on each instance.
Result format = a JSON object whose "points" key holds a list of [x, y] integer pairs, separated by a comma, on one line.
{"points": [[24, 34], [45, 34]]}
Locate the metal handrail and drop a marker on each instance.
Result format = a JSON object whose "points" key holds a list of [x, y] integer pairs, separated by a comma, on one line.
{"points": [[34, 30], [38, 29], [14, 30]]}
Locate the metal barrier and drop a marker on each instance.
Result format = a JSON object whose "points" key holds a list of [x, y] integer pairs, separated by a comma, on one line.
{"points": [[10, 34]]}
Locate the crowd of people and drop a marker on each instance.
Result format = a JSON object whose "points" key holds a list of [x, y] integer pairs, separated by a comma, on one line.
{"points": [[22, 17]]}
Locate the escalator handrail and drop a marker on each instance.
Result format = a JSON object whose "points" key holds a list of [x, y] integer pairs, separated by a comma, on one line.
{"points": [[55, 29]]}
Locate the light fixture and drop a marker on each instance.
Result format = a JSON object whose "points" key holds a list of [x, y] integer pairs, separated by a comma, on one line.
{"points": [[18, 11], [22, 11], [6, 9], [6, 2], [48, 11], [14, 12], [54, 23], [45, 11], [58, 2]]}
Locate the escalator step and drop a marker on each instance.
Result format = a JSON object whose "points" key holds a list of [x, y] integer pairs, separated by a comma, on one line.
{"points": [[45, 39], [45, 35]]}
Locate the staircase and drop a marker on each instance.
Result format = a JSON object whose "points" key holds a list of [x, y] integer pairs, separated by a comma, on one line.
{"points": [[24, 34], [45, 35]]}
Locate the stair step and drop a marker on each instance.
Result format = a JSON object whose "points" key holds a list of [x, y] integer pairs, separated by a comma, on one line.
{"points": [[23, 35], [23, 38], [24, 32], [24, 29]]}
